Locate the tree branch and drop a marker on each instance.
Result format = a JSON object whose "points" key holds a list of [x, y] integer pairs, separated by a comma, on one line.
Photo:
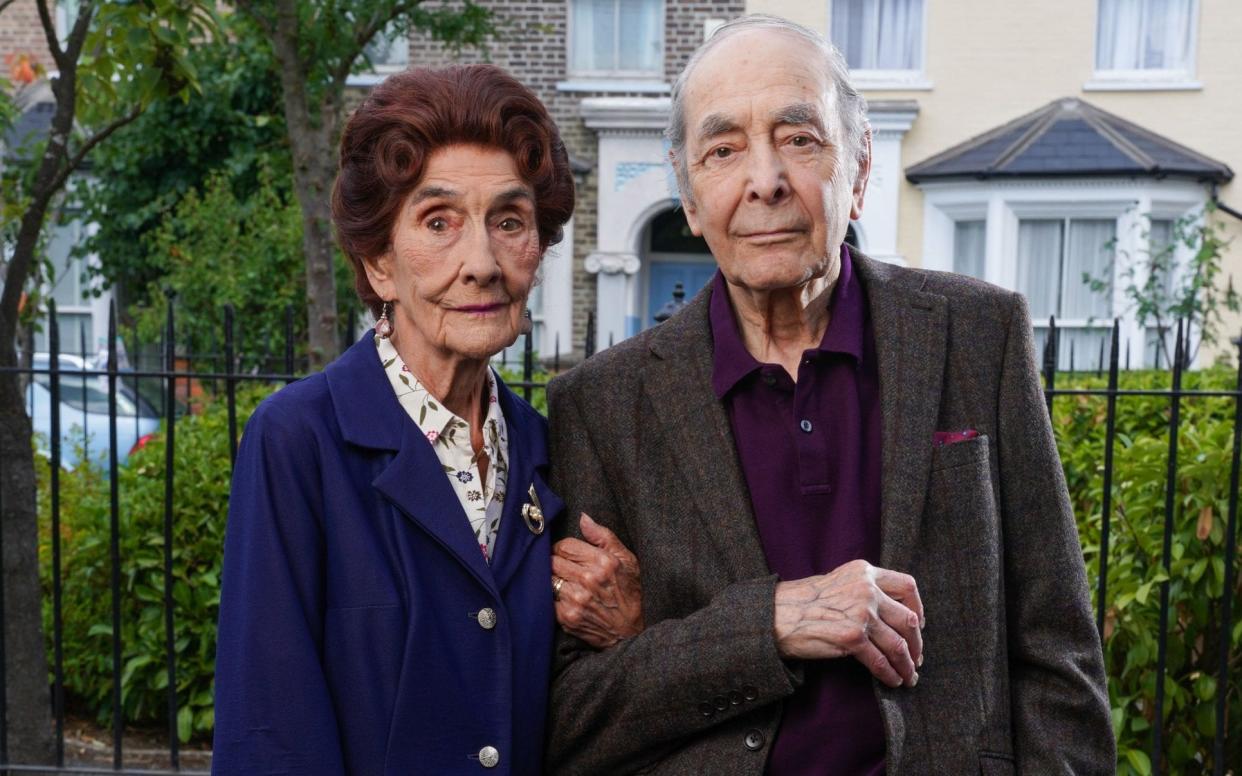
{"points": [[364, 31], [265, 24], [49, 32], [76, 160], [5, 4]]}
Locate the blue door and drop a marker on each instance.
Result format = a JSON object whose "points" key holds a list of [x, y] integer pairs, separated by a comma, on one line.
{"points": [[692, 275]]}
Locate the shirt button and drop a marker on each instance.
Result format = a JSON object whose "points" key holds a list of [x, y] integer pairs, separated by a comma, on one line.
{"points": [[769, 379], [753, 740], [805, 425], [487, 621], [489, 757]]}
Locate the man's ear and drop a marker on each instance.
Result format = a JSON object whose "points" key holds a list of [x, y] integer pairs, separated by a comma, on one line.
{"points": [[859, 191], [687, 201], [379, 271]]}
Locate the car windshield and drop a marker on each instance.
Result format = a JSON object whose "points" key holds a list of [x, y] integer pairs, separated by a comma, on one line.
{"points": [[87, 393]]}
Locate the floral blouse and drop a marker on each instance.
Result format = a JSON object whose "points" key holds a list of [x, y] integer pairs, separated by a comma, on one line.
{"points": [[449, 435]]}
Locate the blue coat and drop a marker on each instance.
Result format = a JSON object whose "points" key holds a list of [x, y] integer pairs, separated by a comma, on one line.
{"points": [[350, 636]]}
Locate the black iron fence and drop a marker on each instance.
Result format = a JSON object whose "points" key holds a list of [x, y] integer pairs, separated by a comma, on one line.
{"points": [[173, 372]]}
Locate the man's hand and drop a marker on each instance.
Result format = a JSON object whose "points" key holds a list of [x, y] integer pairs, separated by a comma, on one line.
{"points": [[601, 598], [874, 614]]}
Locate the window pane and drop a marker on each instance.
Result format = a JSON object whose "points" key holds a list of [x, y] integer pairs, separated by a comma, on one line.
{"points": [[67, 282], [592, 35], [968, 247], [1144, 34], [641, 47], [1039, 266], [1088, 256], [389, 49], [879, 34]]}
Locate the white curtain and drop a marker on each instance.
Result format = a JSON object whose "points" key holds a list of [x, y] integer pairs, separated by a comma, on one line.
{"points": [[1144, 34], [612, 35], [1088, 254], [641, 47], [1039, 266], [969, 241], [879, 34]]}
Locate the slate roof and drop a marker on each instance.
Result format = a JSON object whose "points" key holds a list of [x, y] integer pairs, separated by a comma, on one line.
{"points": [[1069, 138]]}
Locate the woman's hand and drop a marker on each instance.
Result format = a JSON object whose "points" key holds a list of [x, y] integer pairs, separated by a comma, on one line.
{"points": [[600, 596]]}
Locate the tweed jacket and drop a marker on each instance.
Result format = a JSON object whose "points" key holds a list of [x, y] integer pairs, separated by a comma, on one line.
{"points": [[1013, 678]]}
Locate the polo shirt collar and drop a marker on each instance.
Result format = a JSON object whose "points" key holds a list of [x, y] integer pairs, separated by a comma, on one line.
{"points": [[731, 361]]}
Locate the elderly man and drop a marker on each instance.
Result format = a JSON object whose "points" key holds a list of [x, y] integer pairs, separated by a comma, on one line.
{"points": [[858, 554]]}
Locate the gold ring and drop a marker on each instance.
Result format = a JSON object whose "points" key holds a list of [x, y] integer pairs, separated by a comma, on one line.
{"points": [[556, 587]]}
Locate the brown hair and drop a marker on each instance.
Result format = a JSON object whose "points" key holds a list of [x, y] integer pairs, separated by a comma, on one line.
{"points": [[412, 114]]}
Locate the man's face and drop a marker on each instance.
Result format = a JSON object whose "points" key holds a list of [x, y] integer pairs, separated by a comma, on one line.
{"points": [[772, 183]]}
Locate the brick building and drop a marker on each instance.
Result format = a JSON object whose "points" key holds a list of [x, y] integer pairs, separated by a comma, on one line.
{"points": [[605, 68]]}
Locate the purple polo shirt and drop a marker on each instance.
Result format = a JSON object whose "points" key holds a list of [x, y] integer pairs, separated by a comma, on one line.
{"points": [[810, 453]]}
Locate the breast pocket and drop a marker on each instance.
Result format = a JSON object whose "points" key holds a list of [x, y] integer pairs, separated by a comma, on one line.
{"points": [[970, 451]]}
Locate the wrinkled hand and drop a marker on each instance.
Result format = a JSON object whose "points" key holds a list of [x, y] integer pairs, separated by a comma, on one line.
{"points": [[601, 599], [871, 613]]}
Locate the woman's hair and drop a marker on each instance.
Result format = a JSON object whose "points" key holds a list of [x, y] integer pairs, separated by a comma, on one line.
{"points": [[412, 114]]}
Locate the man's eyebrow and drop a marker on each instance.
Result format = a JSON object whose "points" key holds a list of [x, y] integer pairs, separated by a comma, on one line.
{"points": [[799, 114], [432, 192], [714, 125]]}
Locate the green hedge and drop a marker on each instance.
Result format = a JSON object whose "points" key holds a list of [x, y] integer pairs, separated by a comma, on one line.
{"points": [[1133, 594], [200, 506], [1135, 571]]}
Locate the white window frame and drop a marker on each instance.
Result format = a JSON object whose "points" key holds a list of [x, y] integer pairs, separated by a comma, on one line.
{"points": [[1002, 204], [871, 80], [379, 71], [645, 81], [1147, 79]]}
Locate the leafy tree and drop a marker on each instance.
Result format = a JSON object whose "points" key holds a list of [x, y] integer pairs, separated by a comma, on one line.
{"points": [[316, 46], [232, 127], [114, 61]]}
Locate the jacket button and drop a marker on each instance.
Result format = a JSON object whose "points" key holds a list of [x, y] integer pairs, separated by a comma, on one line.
{"points": [[489, 757], [721, 703], [736, 698], [706, 709], [750, 692], [753, 740], [487, 621]]}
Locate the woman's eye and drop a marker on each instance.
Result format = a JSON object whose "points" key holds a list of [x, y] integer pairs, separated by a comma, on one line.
{"points": [[510, 225], [437, 224], [722, 152], [800, 141]]}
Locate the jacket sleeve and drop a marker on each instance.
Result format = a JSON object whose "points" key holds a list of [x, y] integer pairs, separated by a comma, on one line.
{"points": [[619, 710], [1061, 718], [273, 711]]}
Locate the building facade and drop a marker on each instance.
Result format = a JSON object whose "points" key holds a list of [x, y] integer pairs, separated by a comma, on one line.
{"points": [[1134, 87]]}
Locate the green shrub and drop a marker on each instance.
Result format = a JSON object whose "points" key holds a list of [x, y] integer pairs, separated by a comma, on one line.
{"points": [[1135, 570], [200, 506]]}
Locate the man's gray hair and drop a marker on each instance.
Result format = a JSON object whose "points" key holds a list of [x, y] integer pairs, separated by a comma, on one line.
{"points": [[851, 106]]}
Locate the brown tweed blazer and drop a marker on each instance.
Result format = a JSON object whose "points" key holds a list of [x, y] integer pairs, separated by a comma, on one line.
{"points": [[1013, 678]]}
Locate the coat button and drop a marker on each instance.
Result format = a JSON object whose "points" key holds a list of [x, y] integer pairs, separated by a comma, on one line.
{"points": [[736, 698], [721, 702], [753, 740], [487, 621], [750, 692], [489, 757], [706, 709]]}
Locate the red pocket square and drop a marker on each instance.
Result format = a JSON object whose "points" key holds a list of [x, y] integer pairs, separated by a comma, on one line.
{"points": [[942, 438]]}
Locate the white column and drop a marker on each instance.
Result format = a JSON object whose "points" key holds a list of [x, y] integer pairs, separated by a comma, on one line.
{"points": [[558, 295], [890, 120]]}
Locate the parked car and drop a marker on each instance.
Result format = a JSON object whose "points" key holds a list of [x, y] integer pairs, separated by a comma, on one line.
{"points": [[84, 413]]}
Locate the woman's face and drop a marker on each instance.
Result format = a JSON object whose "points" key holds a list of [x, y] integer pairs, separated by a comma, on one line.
{"points": [[463, 257]]}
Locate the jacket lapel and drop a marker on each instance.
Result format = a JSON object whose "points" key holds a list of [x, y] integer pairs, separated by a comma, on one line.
{"points": [[911, 328], [528, 453], [679, 387], [413, 479]]}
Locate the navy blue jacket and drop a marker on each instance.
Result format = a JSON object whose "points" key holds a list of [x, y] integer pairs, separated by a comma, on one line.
{"points": [[350, 637]]}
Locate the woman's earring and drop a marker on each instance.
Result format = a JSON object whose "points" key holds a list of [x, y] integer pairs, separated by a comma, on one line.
{"points": [[383, 327]]}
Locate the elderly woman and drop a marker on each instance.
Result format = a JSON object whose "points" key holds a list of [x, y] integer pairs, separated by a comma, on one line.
{"points": [[387, 600]]}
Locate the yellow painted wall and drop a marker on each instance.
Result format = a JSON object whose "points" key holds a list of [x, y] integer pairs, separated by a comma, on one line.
{"points": [[991, 61]]}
